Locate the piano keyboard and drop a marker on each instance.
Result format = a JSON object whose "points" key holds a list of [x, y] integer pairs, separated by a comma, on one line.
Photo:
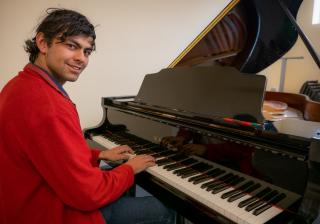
{"points": [[239, 197]]}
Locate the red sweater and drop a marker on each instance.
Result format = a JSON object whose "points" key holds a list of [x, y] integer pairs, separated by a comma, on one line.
{"points": [[48, 174]]}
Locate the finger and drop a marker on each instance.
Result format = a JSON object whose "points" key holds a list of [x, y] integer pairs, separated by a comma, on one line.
{"points": [[125, 156], [147, 158], [166, 141], [149, 164], [123, 149], [163, 142], [129, 150], [151, 159]]}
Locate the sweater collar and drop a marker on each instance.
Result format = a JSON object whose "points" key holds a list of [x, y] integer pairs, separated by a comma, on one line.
{"points": [[48, 78]]}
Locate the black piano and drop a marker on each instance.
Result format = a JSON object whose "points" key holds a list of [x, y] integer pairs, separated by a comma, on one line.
{"points": [[220, 158]]}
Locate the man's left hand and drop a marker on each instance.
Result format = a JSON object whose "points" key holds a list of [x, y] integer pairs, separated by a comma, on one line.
{"points": [[121, 152]]}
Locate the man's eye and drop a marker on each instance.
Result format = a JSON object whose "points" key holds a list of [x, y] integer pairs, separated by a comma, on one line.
{"points": [[71, 46], [87, 52]]}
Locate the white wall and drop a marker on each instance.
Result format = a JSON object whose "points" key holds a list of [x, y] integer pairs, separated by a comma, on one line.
{"points": [[133, 38]]}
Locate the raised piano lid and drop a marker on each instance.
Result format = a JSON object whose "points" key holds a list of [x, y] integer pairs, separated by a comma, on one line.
{"points": [[248, 37]]}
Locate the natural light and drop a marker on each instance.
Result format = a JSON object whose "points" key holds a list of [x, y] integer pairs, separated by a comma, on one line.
{"points": [[316, 12]]}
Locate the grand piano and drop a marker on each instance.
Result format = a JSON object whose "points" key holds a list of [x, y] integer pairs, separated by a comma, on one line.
{"points": [[220, 158]]}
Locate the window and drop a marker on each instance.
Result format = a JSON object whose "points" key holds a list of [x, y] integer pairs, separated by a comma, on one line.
{"points": [[316, 12]]}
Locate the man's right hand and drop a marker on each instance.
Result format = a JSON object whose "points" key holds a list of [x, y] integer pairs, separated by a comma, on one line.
{"points": [[173, 141], [141, 162]]}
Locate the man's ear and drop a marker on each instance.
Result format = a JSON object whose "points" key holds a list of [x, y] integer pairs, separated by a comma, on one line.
{"points": [[41, 43]]}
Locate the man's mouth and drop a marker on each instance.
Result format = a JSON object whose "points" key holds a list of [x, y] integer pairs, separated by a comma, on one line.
{"points": [[75, 67]]}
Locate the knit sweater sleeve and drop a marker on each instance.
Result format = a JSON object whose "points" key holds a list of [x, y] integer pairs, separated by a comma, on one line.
{"points": [[95, 157], [62, 158]]}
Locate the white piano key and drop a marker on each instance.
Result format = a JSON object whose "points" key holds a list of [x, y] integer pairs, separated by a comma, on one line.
{"points": [[104, 142]]}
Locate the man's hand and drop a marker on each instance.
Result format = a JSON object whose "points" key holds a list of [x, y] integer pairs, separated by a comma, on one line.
{"points": [[194, 149], [173, 141], [117, 153], [141, 162]]}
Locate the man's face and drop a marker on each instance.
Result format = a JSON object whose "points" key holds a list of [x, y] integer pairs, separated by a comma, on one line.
{"points": [[66, 60]]}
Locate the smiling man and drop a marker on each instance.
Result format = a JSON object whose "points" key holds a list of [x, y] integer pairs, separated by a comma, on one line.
{"points": [[48, 172]]}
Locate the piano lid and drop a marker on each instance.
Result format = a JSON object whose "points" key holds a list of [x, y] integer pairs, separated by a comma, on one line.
{"points": [[247, 37]]}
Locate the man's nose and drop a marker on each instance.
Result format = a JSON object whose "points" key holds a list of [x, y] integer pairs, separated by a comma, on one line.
{"points": [[80, 56]]}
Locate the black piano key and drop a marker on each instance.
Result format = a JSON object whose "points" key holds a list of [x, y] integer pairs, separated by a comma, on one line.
{"points": [[150, 147], [135, 147], [165, 161], [189, 174], [193, 167], [157, 148], [252, 199], [124, 142], [182, 171], [198, 177], [243, 193], [268, 205], [228, 185], [202, 167], [208, 174], [180, 164], [223, 183], [211, 174], [261, 201], [202, 179], [171, 159], [173, 166], [218, 180], [179, 157], [189, 161], [142, 146], [237, 190], [164, 154], [145, 151]]}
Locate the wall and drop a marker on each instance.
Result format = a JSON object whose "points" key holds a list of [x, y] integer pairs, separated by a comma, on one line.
{"points": [[134, 38]]}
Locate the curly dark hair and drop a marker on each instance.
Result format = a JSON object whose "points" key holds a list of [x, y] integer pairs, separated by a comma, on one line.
{"points": [[60, 23]]}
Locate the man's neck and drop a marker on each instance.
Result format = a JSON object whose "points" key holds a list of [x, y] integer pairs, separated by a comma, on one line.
{"points": [[39, 62]]}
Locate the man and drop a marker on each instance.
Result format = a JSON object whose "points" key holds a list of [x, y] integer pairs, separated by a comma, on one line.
{"points": [[48, 173]]}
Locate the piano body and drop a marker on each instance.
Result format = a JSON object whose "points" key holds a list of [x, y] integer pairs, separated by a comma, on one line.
{"points": [[249, 169]]}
